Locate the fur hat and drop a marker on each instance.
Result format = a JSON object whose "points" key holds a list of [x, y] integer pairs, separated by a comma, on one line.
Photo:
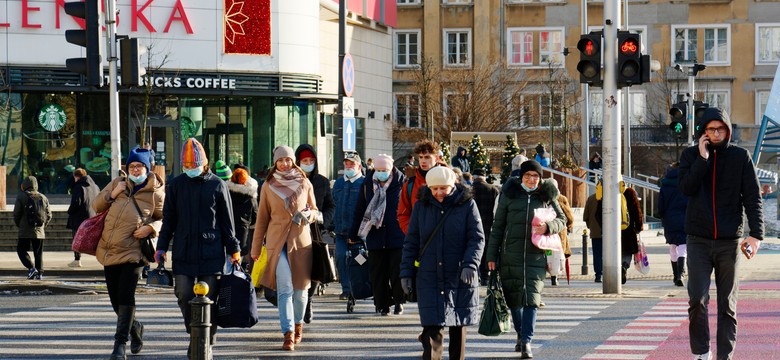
{"points": [[283, 151], [192, 154], [142, 156], [222, 170], [440, 176], [530, 165]]}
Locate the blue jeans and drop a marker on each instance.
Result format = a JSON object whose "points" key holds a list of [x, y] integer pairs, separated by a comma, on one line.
{"points": [[341, 263], [598, 257], [291, 302], [704, 255], [524, 321]]}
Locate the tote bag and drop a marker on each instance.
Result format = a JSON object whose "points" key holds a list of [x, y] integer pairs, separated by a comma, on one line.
{"points": [[323, 268], [88, 235], [495, 319], [258, 268], [237, 301]]}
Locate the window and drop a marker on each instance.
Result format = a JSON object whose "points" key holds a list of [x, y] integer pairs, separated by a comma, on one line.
{"points": [[455, 106], [762, 99], [535, 110], [456, 2], [521, 46], [407, 109], [407, 49], [717, 39], [457, 47], [638, 108], [767, 43], [407, 2]]}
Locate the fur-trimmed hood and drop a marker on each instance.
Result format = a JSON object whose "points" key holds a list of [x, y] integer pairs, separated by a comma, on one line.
{"points": [[250, 188], [547, 189], [461, 195]]}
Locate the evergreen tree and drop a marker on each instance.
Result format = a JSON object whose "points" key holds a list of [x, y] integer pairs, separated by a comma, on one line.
{"points": [[478, 156], [510, 151], [445, 151]]}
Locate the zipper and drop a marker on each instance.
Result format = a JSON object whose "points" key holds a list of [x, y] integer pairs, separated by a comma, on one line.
{"points": [[525, 246], [113, 228], [714, 211]]}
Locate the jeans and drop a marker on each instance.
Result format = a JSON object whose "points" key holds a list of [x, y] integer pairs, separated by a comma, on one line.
{"points": [[291, 302], [524, 321], [341, 263], [23, 246], [704, 255], [598, 257]]}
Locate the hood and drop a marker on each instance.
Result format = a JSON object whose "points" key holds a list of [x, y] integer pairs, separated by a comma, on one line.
{"points": [[460, 148], [670, 178], [30, 183], [709, 115], [461, 195], [547, 189], [298, 151], [250, 188]]}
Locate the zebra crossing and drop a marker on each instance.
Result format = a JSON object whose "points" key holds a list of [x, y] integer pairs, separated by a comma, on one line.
{"points": [[84, 330]]}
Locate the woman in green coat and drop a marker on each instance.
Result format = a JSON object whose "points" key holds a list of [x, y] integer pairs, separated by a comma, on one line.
{"points": [[520, 264]]}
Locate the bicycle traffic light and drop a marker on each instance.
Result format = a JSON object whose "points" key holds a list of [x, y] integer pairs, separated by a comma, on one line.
{"points": [[629, 65], [91, 37]]}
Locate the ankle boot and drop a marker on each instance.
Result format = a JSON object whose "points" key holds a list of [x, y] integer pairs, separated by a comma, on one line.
{"points": [[289, 343], [680, 270], [124, 321], [136, 337], [307, 315], [554, 280], [525, 352], [675, 273], [298, 333]]}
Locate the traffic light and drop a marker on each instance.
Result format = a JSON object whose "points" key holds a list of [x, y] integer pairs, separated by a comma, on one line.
{"points": [[698, 110], [679, 114], [629, 65], [590, 58], [130, 61], [91, 38]]}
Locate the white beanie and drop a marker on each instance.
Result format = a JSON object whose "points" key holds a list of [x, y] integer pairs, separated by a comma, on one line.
{"points": [[383, 161], [440, 176]]}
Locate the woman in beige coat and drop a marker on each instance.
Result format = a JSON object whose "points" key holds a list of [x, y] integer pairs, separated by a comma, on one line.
{"points": [[119, 249], [287, 207]]}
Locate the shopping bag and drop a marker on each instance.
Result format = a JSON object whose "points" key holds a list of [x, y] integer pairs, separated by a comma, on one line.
{"points": [[545, 241], [160, 276], [323, 268], [495, 319], [258, 268], [88, 234], [236, 301], [641, 263]]}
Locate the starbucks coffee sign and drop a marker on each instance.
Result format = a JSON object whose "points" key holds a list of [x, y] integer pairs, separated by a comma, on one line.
{"points": [[52, 117]]}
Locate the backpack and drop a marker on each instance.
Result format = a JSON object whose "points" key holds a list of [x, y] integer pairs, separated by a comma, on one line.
{"points": [[625, 219], [35, 209]]}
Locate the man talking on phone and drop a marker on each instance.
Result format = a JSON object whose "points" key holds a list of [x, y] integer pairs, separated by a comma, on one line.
{"points": [[721, 182]]}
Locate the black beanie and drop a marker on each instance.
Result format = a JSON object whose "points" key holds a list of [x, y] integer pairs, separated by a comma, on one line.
{"points": [[530, 165]]}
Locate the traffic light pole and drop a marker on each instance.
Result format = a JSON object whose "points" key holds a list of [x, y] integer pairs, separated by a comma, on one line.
{"points": [[691, 110], [586, 104], [113, 93]]}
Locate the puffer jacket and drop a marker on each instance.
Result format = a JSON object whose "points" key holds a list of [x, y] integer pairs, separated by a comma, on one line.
{"points": [[26, 231], [521, 264], [117, 244], [443, 299]]}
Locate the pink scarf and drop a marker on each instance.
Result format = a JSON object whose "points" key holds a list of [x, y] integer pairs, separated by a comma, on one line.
{"points": [[288, 186]]}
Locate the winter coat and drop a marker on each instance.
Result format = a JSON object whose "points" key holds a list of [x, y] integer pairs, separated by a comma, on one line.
{"points": [[521, 264], [275, 227], [198, 219], [26, 231], [629, 236], [671, 208], [345, 196], [389, 235], [485, 195], [117, 244], [564, 202], [442, 298], [406, 202], [461, 162], [590, 217], [321, 186], [720, 189], [83, 193], [244, 200]]}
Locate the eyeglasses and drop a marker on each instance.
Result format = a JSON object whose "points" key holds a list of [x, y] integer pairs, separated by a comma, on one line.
{"points": [[713, 131], [530, 176], [350, 155], [136, 166]]}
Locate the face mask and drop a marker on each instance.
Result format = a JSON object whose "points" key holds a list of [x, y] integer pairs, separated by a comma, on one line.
{"points": [[350, 173], [193, 173], [382, 175], [526, 188], [137, 179], [307, 168]]}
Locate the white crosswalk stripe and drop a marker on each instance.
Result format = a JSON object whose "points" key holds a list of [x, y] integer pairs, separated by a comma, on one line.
{"points": [[85, 330]]}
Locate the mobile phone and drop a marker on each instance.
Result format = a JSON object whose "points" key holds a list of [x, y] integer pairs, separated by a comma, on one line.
{"points": [[747, 250]]}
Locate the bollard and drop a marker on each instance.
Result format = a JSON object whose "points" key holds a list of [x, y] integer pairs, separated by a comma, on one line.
{"points": [[585, 252], [200, 323]]}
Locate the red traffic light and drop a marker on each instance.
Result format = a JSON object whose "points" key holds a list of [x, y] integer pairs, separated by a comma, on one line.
{"points": [[629, 46], [588, 47]]}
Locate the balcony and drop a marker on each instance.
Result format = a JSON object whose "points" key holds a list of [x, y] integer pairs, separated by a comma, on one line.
{"points": [[648, 135]]}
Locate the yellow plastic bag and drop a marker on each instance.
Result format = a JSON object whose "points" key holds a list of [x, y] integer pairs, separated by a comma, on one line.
{"points": [[258, 268]]}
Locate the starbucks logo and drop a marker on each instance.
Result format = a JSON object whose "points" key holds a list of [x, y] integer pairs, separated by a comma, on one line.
{"points": [[52, 117]]}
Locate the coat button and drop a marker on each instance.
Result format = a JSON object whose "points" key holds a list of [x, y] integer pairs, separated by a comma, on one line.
{"points": [[439, 264], [442, 293], [442, 212]]}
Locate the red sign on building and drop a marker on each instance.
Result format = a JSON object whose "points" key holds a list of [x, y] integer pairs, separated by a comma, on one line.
{"points": [[247, 27]]}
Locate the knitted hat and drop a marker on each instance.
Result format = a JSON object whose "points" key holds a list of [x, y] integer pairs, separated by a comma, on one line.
{"points": [[440, 176], [517, 161], [530, 165], [383, 161], [140, 155], [283, 151], [222, 170], [192, 154], [306, 153]]}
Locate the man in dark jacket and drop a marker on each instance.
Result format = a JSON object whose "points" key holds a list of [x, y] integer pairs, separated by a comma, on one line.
{"points": [[306, 159], [345, 195], [461, 161], [485, 195], [671, 210], [30, 235], [721, 183], [83, 192]]}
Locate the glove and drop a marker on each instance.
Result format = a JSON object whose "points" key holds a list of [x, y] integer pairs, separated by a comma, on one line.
{"points": [[160, 256], [406, 284], [302, 217], [468, 276]]}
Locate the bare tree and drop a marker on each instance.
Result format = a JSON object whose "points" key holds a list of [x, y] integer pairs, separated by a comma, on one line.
{"points": [[152, 67]]}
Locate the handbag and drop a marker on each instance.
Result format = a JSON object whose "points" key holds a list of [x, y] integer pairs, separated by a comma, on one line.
{"points": [[147, 243], [236, 301], [412, 297], [545, 241], [641, 263], [258, 267], [494, 319], [160, 276], [88, 234], [323, 268]]}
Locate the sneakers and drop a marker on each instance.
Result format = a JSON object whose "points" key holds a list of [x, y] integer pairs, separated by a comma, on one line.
{"points": [[75, 264], [38, 276], [706, 356], [31, 273]]}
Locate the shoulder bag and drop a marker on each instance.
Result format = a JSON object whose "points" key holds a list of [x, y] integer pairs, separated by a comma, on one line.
{"points": [[494, 319], [237, 300], [88, 234], [323, 268], [147, 244]]}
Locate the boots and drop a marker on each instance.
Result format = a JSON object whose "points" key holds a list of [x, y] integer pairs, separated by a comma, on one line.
{"points": [[680, 271], [298, 333], [623, 275], [124, 322], [136, 337], [554, 280], [675, 272], [289, 343], [525, 351], [307, 315]]}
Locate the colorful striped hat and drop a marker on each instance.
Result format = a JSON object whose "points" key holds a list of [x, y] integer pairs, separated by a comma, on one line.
{"points": [[192, 154], [222, 170]]}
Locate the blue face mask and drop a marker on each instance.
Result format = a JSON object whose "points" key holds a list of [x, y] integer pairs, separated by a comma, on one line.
{"points": [[382, 175], [350, 173], [307, 168], [137, 179], [193, 173], [526, 188]]}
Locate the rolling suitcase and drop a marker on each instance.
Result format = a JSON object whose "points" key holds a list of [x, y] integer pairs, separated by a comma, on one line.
{"points": [[358, 273]]}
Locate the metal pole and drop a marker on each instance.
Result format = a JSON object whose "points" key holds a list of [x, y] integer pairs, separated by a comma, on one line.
{"points": [[200, 323], [113, 93], [612, 153], [585, 252], [586, 103], [691, 95], [627, 122], [342, 54]]}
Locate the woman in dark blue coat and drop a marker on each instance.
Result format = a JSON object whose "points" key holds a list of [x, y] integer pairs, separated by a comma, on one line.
{"points": [[446, 269], [671, 210]]}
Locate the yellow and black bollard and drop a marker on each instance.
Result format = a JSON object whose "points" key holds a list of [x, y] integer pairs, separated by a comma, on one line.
{"points": [[585, 252], [200, 323]]}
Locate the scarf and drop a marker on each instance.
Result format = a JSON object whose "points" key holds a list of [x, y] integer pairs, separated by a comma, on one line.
{"points": [[375, 211], [288, 186]]}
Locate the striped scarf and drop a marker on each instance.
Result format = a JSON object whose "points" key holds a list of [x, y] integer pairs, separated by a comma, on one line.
{"points": [[375, 211], [288, 185]]}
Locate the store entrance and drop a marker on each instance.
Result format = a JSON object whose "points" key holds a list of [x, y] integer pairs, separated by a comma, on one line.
{"points": [[163, 136], [227, 142]]}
